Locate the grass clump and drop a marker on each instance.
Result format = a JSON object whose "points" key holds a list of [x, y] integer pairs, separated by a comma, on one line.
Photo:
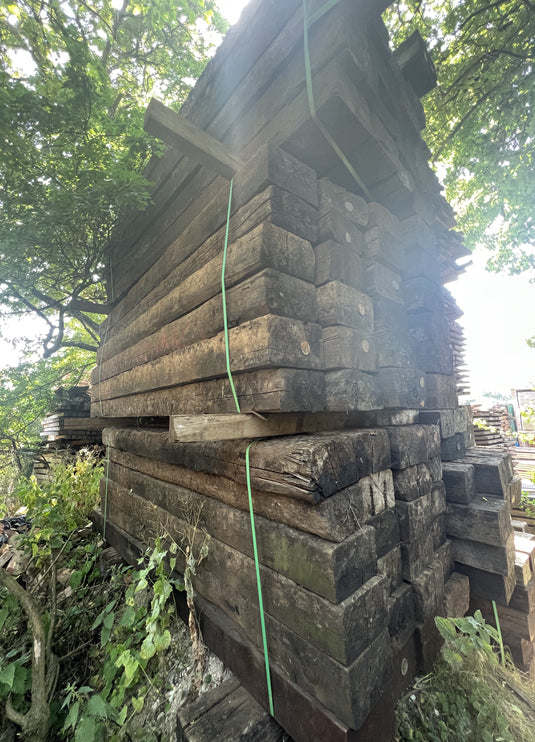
{"points": [[474, 692]]}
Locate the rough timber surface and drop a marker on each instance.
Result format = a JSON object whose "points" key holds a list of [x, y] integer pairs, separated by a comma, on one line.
{"points": [[266, 390], [334, 519], [308, 467], [233, 712], [332, 570]]}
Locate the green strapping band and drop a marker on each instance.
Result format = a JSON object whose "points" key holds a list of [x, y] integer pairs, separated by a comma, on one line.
{"points": [[105, 513], [224, 296], [310, 92], [320, 12], [259, 584], [499, 630]]}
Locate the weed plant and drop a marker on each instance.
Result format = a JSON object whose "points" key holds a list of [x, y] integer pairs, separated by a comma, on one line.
{"points": [[474, 693], [104, 635]]}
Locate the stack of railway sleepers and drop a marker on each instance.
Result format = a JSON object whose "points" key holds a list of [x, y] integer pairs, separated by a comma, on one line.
{"points": [[495, 429], [480, 491], [517, 619], [336, 339], [320, 502], [321, 305]]}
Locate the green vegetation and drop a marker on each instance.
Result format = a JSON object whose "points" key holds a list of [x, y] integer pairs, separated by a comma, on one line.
{"points": [[80, 650], [76, 79], [474, 692], [480, 123]]}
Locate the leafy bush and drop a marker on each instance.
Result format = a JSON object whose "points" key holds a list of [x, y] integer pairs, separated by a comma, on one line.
{"points": [[474, 693]]}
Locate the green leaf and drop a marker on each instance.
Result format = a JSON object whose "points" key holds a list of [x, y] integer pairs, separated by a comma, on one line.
{"points": [[72, 716], [162, 641], [97, 707], [148, 648], [137, 704], [7, 675], [86, 731]]}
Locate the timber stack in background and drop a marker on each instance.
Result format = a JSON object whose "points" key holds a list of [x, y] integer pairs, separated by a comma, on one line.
{"points": [[340, 346]]}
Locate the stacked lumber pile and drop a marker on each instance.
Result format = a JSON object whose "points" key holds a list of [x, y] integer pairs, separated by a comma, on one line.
{"points": [[495, 427], [339, 343], [458, 342], [352, 547], [517, 619], [331, 297], [69, 422], [480, 491]]}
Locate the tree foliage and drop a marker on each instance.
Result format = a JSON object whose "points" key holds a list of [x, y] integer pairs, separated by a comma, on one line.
{"points": [[480, 118], [75, 79], [27, 394]]}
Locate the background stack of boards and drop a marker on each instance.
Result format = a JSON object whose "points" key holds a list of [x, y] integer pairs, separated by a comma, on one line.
{"points": [[337, 311]]}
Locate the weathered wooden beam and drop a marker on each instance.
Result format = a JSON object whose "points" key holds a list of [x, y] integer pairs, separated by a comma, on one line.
{"points": [[178, 132], [234, 426]]}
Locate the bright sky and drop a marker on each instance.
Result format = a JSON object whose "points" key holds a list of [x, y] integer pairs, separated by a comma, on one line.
{"points": [[498, 314]]}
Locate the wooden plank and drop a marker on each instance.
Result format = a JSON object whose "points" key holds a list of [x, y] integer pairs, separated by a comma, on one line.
{"points": [[459, 481], [429, 591], [498, 559], [456, 596], [334, 198], [208, 105], [493, 471], [488, 585], [347, 348], [309, 467], [523, 571], [233, 712], [453, 448], [402, 615], [224, 637], [415, 517], [440, 392], [413, 482], [413, 444], [267, 292], [430, 338], [186, 288], [208, 219], [339, 262], [265, 342], [339, 304], [416, 555], [234, 426], [266, 390], [485, 520], [178, 132], [523, 598], [335, 519], [389, 565], [348, 390], [329, 569], [403, 388], [288, 607]]}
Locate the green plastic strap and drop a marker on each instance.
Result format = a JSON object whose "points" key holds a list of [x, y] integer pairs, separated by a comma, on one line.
{"points": [[499, 630], [224, 295], [320, 12], [259, 584], [105, 513], [312, 106]]}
